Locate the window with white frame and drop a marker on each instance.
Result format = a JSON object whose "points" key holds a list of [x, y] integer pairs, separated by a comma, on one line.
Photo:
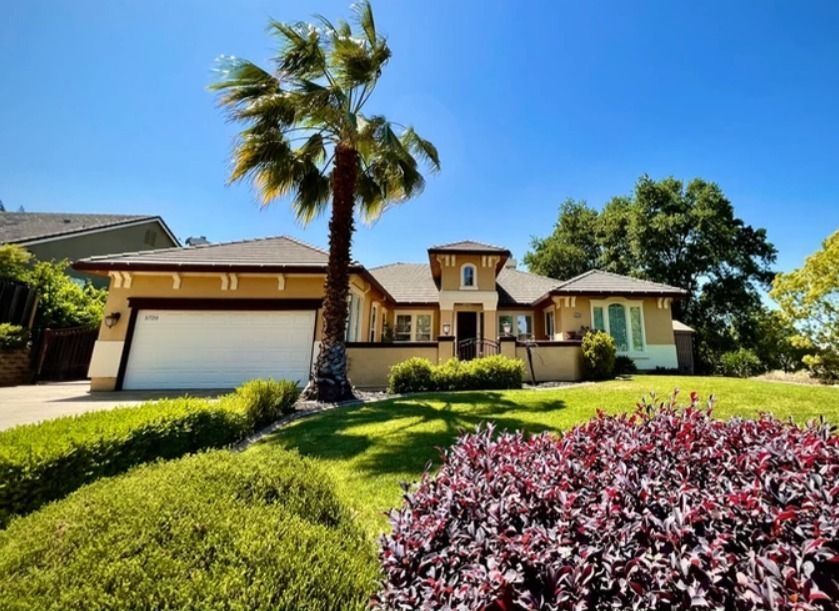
{"points": [[412, 328], [623, 320], [468, 276], [353, 317], [373, 312], [520, 325], [549, 324]]}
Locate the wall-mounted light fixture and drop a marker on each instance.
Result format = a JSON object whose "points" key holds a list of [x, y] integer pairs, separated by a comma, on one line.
{"points": [[447, 329], [507, 328], [112, 319]]}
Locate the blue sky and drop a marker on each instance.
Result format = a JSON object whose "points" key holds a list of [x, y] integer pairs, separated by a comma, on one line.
{"points": [[104, 107]]}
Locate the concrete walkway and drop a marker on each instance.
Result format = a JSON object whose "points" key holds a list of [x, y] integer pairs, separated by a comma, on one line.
{"points": [[27, 404]]}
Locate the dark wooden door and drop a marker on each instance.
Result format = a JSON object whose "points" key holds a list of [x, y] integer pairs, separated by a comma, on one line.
{"points": [[467, 325], [684, 351]]}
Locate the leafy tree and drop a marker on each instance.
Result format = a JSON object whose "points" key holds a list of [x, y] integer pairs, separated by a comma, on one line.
{"points": [[62, 301], [572, 248], [305, 134], [15, 263], [809, 299], [684, 235]]}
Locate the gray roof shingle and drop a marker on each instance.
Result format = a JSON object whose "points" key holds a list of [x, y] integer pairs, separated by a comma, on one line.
{"points": [[597, 281], [19, 227], [516, 287], [408, 282], [273, 252]]}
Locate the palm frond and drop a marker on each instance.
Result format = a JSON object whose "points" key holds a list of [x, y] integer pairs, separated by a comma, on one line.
{"points": [[364, 14], [242, 81], [421, 148], [301, 55]]}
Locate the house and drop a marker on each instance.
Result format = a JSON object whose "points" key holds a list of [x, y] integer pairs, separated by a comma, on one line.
{"points": [[214, 315], [58, 235]]}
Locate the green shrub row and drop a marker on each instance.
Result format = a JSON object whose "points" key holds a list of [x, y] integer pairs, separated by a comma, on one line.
{"points": [[488, 373], [261, 529], [43, 462], [12, 336]]}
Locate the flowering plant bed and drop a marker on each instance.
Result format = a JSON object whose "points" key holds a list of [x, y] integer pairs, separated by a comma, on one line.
{"points": [[666, 508]]}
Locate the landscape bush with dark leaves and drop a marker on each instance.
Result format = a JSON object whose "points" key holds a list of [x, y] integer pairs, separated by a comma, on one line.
{"points": [[667, 508]]}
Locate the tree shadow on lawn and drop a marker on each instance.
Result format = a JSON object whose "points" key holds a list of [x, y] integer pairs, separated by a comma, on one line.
{"points": [[406, 432]]}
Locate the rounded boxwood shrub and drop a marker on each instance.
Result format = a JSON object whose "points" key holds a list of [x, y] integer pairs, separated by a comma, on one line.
{"points": [[663, 509], [599, 353], [261, 529], [624, 365], [412, 375], [740, 363], [267, 400]]}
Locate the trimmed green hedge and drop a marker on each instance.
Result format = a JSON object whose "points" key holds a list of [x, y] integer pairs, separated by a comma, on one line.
{"points": [[487, 373], [261, 529], [12, 336], [43, 462], [599, 353]]}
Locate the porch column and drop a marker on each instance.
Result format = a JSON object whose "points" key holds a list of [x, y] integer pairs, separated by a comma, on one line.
{"points": [[491, 324], [446, 318], [445, 348], [507, 346]]}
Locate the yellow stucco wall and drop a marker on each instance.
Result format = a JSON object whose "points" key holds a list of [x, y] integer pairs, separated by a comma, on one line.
{"points": [[450, 274], [368, 367], [552, 363]]}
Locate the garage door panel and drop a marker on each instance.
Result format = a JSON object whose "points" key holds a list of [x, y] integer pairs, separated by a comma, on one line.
{"points": [[217, 349]]}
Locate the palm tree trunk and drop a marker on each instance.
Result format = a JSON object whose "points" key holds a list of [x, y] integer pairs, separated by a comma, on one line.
{"points": [[329, 381]]}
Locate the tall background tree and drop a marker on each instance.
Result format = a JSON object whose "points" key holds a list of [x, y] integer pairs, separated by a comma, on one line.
{"points": [[305, 134], [809, 299], [686, 235]]}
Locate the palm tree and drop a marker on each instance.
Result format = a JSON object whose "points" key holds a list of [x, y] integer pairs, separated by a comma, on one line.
{"points": [[305, 135]]}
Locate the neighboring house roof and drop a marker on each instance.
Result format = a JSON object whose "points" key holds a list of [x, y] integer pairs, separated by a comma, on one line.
{"points": [[599, 282], [278, 253], [408, 282], [29, 227], [680, 326], [518, 287], [469, 246]]}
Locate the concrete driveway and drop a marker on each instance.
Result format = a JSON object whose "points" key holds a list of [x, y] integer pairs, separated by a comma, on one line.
{"points": [[26, 404]]}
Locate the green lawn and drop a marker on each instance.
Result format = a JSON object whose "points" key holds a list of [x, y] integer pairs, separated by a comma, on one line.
{"points": [[372, 449]]}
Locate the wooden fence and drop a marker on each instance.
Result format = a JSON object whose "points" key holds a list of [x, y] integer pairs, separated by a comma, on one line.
{"points": [[17, 303], [64, 354]]}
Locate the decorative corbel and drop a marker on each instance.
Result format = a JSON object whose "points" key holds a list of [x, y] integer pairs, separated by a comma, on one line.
{"points": [[280, 282], [176, 281], [225, 281], [234, 281], [126, 280], [117, 278]]}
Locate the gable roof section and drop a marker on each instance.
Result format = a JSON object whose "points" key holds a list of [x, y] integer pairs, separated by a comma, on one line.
{"points": [[516, 287], [28, 227], [408, 282], [466, 246], [265, 254], [596, 282]]}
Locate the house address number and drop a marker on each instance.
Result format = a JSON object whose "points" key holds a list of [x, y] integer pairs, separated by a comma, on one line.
{"points": [[151, 317]]}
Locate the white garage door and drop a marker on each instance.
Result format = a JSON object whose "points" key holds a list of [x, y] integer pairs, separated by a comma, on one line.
{"points": [[218, 349]]}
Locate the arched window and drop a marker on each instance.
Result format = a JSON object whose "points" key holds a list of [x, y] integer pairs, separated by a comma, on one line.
{"points": [[467, 276], [617, 326]]}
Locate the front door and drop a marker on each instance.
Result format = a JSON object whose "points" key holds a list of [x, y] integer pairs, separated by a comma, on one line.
{"points": [[467, 334]]}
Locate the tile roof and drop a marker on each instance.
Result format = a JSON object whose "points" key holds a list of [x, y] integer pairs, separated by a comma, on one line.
{"points": [[25, 226], [273, 252], [518, 287], [414, 283], [597, 281], [408, 282], [469, 246]]}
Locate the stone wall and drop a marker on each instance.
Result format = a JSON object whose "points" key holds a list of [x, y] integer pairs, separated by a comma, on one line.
{"points": [[15, 367]]}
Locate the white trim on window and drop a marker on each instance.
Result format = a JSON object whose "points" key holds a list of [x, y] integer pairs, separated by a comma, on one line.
{"points": [[627, 304], [550, 329], [414, 331], [463, 285]]}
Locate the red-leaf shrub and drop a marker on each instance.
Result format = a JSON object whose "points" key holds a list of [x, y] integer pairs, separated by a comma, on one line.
{"points": [[664, 509]]}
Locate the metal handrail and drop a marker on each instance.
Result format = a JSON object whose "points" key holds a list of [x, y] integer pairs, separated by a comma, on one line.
{"points": [[473, 348]]}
